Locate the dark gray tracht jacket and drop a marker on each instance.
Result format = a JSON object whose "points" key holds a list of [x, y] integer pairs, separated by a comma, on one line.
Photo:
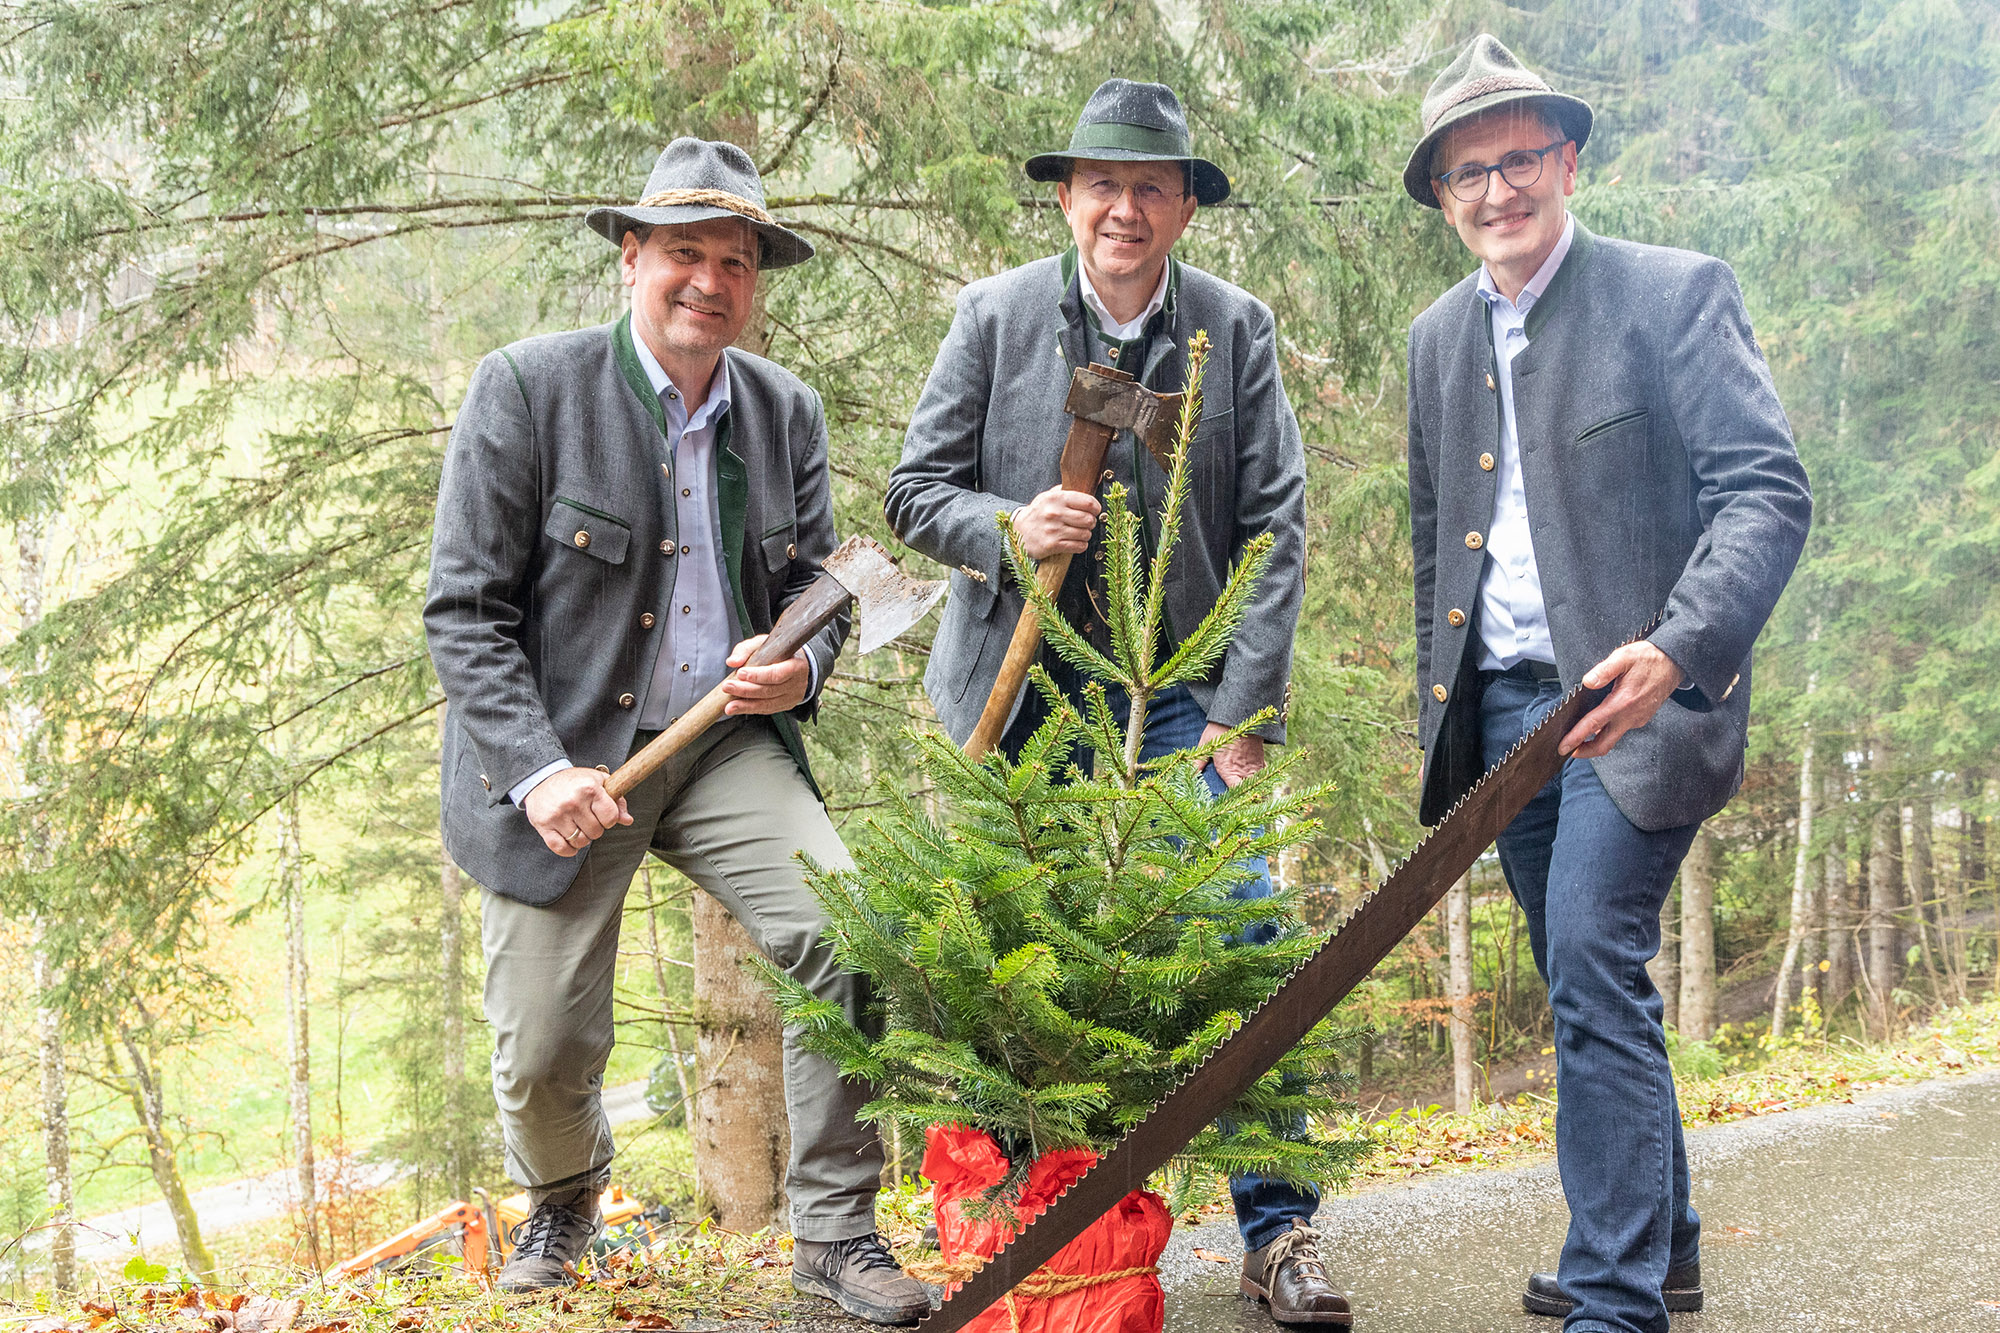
{"points": [[554, 559], [987, 437], [1660, 474]]}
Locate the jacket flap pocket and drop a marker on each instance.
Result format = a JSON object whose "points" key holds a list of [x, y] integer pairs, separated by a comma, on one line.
{"points": [[1610, 423], [780, 548], [591, 531]]}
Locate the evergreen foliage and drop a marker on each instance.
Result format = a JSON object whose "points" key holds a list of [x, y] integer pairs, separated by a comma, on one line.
{"points": [[1059, 948]]}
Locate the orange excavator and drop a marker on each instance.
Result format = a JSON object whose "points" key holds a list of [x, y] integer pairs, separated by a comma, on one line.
{"points": [[481, 1235]]}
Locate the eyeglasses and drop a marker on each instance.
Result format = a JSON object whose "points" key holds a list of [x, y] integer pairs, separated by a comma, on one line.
{"points": [[1520, 169], [1148, 197]]}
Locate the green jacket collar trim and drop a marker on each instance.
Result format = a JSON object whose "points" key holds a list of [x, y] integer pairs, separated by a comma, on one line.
{"points": [[1072, 287]]}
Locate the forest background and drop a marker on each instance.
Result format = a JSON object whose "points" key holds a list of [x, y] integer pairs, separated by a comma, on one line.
{"points": [[252, 248]]}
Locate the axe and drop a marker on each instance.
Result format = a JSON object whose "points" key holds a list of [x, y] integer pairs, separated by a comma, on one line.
{"points": [[858, 570], [1101, 402]]}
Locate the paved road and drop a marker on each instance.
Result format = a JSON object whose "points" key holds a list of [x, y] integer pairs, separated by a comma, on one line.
{"points": [[1883, 1216]]}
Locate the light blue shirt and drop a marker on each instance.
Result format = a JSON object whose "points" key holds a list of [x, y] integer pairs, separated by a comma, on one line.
{"points": [[699, 627], [1513, 621]]}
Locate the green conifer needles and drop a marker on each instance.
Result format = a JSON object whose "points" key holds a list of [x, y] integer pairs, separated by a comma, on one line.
{"points": [[1053, 947]]}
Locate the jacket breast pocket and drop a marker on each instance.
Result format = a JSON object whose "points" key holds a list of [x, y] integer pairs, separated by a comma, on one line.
{"points": [[578, 527], [1616, 421], [780, 547], [1212, 472]]}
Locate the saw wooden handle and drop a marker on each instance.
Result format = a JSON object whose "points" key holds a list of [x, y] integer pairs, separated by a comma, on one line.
{"points": [[801, 620], [1082, 461]]}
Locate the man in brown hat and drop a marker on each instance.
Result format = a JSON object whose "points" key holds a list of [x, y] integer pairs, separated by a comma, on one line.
{"points": [[986, 438], [624, 512], [1595, 445]]}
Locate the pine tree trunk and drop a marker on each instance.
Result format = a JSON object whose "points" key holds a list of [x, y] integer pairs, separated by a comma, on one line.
{"points": [[1664, 967], [1801, 915], [1885, 896], [1698, 938], [55, 1120], [1458, 937], [1920, 888], [142, 1089], [291, 874], [1952, 927], [1842, 941], [742, 1139], [451, 1017]]}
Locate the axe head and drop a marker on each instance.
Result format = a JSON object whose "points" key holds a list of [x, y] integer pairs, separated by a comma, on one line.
{"points": [[1114, 399], [887, 601]]}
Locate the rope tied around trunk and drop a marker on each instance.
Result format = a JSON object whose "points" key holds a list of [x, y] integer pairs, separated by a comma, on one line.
{"points": [[1040, 1285]]}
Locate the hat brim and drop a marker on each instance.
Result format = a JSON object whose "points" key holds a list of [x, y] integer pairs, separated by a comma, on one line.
{"points": [[777, 246], [1571, 113], [1211, 186]]}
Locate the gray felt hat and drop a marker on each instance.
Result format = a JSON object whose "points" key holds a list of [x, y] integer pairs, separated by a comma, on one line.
{"points": [[1133, 122], [696, 180], [1484, 76]]}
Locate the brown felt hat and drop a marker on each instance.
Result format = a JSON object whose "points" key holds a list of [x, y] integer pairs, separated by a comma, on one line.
{"points": [[1484, 76]]}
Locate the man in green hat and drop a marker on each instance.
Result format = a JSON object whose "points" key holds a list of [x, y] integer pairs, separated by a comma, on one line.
{"points": [[624, 512], [1596, 450], [987, 436]]}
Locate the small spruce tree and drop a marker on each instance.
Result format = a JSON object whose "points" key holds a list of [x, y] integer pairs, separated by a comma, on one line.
{"points": [[1061, 948]]}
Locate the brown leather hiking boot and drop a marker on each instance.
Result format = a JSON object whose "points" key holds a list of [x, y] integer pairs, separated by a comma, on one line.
{"points": [[1289, 1276], [861, 1277], [552, 1242], [1681, 1292]]}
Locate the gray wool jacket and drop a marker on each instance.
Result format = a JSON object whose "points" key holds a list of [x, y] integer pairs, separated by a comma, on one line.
{"points": [[987, 437], [1661, 480], [554, 557]]}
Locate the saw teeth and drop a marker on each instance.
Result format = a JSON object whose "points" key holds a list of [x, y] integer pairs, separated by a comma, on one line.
{"points": [[935, 1321]]}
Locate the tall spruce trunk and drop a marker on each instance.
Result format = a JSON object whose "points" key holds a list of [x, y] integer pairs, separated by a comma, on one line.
{"points": [[1698, 938], [1458, 937], [1842, 940], [148, 1101], [1797, 933], [1885, 897], [1664, 967], [742, 1138], [1926, 914], [298, 999], [30, 544]]}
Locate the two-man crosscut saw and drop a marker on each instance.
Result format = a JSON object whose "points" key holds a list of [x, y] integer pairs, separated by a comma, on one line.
{"points": [[1323, 980]]}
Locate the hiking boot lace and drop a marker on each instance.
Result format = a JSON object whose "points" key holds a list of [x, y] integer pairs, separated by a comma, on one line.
{"points": [[863, 1253], [1300, 1246], [543, 1235]]}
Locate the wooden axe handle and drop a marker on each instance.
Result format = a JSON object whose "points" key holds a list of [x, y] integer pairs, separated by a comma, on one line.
{"points": [[1082, 460], [805, 617]]}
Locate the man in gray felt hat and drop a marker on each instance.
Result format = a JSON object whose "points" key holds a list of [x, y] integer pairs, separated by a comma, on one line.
{"points": [[1594, 442], [624, 512], [987, 437]]}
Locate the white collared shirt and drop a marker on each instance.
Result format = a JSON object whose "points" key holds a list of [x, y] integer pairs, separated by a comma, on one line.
{"points": [[1112, 328], [1513, 621]]}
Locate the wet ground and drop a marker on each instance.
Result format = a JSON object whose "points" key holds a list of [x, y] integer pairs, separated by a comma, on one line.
{"points": [[1883, 1216]]}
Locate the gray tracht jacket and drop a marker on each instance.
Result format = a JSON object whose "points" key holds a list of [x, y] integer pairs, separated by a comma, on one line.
{"points": [[987, 437], [1660, 474], [554, 557]]}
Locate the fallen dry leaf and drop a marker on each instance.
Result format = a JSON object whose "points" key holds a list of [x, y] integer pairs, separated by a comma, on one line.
{"points": [[266, 1314], [1211, 1256]]}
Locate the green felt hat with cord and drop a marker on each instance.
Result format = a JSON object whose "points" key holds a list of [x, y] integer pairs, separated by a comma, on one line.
{"points": [[1133, 122]]}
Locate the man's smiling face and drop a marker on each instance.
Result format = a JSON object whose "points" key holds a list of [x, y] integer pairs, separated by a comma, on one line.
{"points": [[692, 287], [1124, 236], [1510, 230]]}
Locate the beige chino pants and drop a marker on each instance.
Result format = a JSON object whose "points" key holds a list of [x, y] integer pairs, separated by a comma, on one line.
{"points": [[729, 812]]}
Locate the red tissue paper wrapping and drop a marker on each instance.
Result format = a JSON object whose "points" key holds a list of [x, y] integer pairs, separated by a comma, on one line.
{"points": [[1104, 1281]]}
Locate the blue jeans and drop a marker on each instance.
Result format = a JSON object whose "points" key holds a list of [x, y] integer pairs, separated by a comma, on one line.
{"points": [[1174, 721], [1591, 885]]}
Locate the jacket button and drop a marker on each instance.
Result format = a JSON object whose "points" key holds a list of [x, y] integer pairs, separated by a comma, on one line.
{"points": [[626, 701], [1731, 687], [646, 620], [791, 550], [1439, 693], [1474, 541], [1454, 617], [666, 548], [1489, 380], [582, 539], [1486, 462]]}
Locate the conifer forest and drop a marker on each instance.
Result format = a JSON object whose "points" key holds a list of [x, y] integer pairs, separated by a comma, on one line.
{"points": [[251, 251]]}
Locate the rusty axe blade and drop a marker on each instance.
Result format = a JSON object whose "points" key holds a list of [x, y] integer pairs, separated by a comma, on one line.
{"points": [[1110, 399], [886, 600]]}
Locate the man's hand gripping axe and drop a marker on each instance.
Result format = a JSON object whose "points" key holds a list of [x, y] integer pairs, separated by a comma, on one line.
{"points": [[1101, 402], [888, 601]]}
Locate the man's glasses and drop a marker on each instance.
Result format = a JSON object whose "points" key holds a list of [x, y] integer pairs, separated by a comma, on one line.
{"points": [[1104, 190], [1520, 169]]}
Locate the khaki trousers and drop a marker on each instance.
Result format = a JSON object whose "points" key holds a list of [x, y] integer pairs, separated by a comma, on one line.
{"points": [[729, 812]]}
